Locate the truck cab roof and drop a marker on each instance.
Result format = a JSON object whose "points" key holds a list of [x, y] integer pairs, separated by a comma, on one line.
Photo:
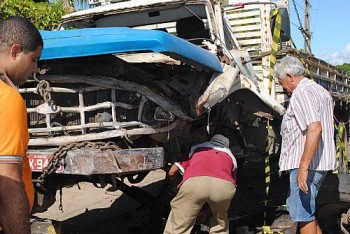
{"points": [[136, 13]]}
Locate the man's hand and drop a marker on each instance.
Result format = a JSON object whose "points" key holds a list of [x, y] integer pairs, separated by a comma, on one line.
{"points": [[302, 180], [313, 135], [173, 170]]}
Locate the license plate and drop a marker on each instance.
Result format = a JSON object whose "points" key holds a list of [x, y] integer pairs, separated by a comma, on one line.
{"points": [[38, 160]]}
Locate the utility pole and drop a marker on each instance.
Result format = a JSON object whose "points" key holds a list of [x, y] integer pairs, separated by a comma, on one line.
{"points": [[307, 42]]}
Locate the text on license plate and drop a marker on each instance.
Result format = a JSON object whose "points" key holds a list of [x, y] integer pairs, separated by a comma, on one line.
{"points": [[39, 160]]}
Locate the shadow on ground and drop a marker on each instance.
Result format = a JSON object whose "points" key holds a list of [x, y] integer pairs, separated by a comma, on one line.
{"points": [[125, 215], [247, 212]]}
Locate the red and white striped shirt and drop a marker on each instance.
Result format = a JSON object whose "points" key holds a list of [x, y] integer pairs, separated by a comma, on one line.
{"points": [[309, 103]]}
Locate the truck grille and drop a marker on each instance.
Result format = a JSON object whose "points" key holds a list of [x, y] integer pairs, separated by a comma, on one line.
{"points": [[78, 112]]}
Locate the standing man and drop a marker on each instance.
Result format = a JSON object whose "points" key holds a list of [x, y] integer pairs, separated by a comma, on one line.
{"points": [[209, 176], [20, 49], [308, 149]]}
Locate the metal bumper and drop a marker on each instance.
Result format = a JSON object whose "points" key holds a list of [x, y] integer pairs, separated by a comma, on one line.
{"points": [[91, 161]]}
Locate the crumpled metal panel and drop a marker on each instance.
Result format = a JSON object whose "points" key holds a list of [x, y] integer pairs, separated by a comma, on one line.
{"points": [[89, 161], [115, 40]]}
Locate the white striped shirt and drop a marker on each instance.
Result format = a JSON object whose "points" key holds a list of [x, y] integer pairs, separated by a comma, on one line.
{"points": [[309, 103]]}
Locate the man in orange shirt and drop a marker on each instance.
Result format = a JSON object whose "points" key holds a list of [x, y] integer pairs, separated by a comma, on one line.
{"points": [[20, 48]]}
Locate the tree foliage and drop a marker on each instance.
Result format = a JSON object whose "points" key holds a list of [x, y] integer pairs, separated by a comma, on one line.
{"points": [[345, 68], [43, 14]]}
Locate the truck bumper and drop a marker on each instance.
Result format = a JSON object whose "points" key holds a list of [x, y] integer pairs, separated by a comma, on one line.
{"points": [[91, 161]]}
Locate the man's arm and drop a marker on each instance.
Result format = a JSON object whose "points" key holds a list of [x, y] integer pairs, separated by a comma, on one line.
{"points": [[14, 208], [313, 136]]}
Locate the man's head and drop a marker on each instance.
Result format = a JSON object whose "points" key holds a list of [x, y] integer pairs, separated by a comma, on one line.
{"points": [[220, 141], [20, 48], [289, 71]]}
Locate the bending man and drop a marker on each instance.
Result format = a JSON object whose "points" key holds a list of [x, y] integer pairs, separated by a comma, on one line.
{"points": [[209, 176]]}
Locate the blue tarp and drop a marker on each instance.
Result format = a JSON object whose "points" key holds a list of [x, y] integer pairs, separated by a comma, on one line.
{"points": [[99, 41]]}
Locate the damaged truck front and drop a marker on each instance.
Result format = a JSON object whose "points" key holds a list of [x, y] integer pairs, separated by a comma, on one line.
{"points": [[127, 88]]}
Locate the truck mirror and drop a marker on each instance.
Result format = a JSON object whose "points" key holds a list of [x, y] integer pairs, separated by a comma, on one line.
{"points": [[285, 24]]}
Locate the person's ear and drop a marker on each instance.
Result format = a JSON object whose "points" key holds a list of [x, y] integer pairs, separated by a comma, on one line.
{"points": [[16, 49], [290, 77]]}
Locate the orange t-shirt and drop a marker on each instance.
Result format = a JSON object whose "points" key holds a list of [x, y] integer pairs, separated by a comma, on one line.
{"points": [[14, 134]]}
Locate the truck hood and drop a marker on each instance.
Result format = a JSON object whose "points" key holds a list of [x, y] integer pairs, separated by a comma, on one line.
{"points": [[117, 40]]}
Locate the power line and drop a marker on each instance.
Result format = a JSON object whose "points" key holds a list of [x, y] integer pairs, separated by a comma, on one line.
{"points": [[303, 32], [301, 7], [316, 14]]}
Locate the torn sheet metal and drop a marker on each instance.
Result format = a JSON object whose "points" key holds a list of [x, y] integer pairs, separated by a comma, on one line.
{"points": [[231, 81]]}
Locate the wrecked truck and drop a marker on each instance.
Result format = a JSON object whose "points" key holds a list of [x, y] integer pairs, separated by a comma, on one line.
{"points": [[127, 88]]}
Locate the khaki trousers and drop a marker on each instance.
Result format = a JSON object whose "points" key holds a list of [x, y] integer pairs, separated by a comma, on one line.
{"points": [[193, 194]]}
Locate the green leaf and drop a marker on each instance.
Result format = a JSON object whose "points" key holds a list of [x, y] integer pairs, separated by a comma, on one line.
{"points": [[43, 14]]}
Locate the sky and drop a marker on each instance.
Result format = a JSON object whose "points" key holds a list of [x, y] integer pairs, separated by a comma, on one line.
{"points": [[330, 28]]}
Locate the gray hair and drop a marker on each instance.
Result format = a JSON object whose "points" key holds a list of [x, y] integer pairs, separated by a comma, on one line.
{"points": [[289, 65]]}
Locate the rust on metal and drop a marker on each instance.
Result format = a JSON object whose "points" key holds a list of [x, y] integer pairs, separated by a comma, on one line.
{"points": [[89, 161]]}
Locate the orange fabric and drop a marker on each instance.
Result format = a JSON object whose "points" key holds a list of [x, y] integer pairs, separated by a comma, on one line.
{"points": [[14, 134]]}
